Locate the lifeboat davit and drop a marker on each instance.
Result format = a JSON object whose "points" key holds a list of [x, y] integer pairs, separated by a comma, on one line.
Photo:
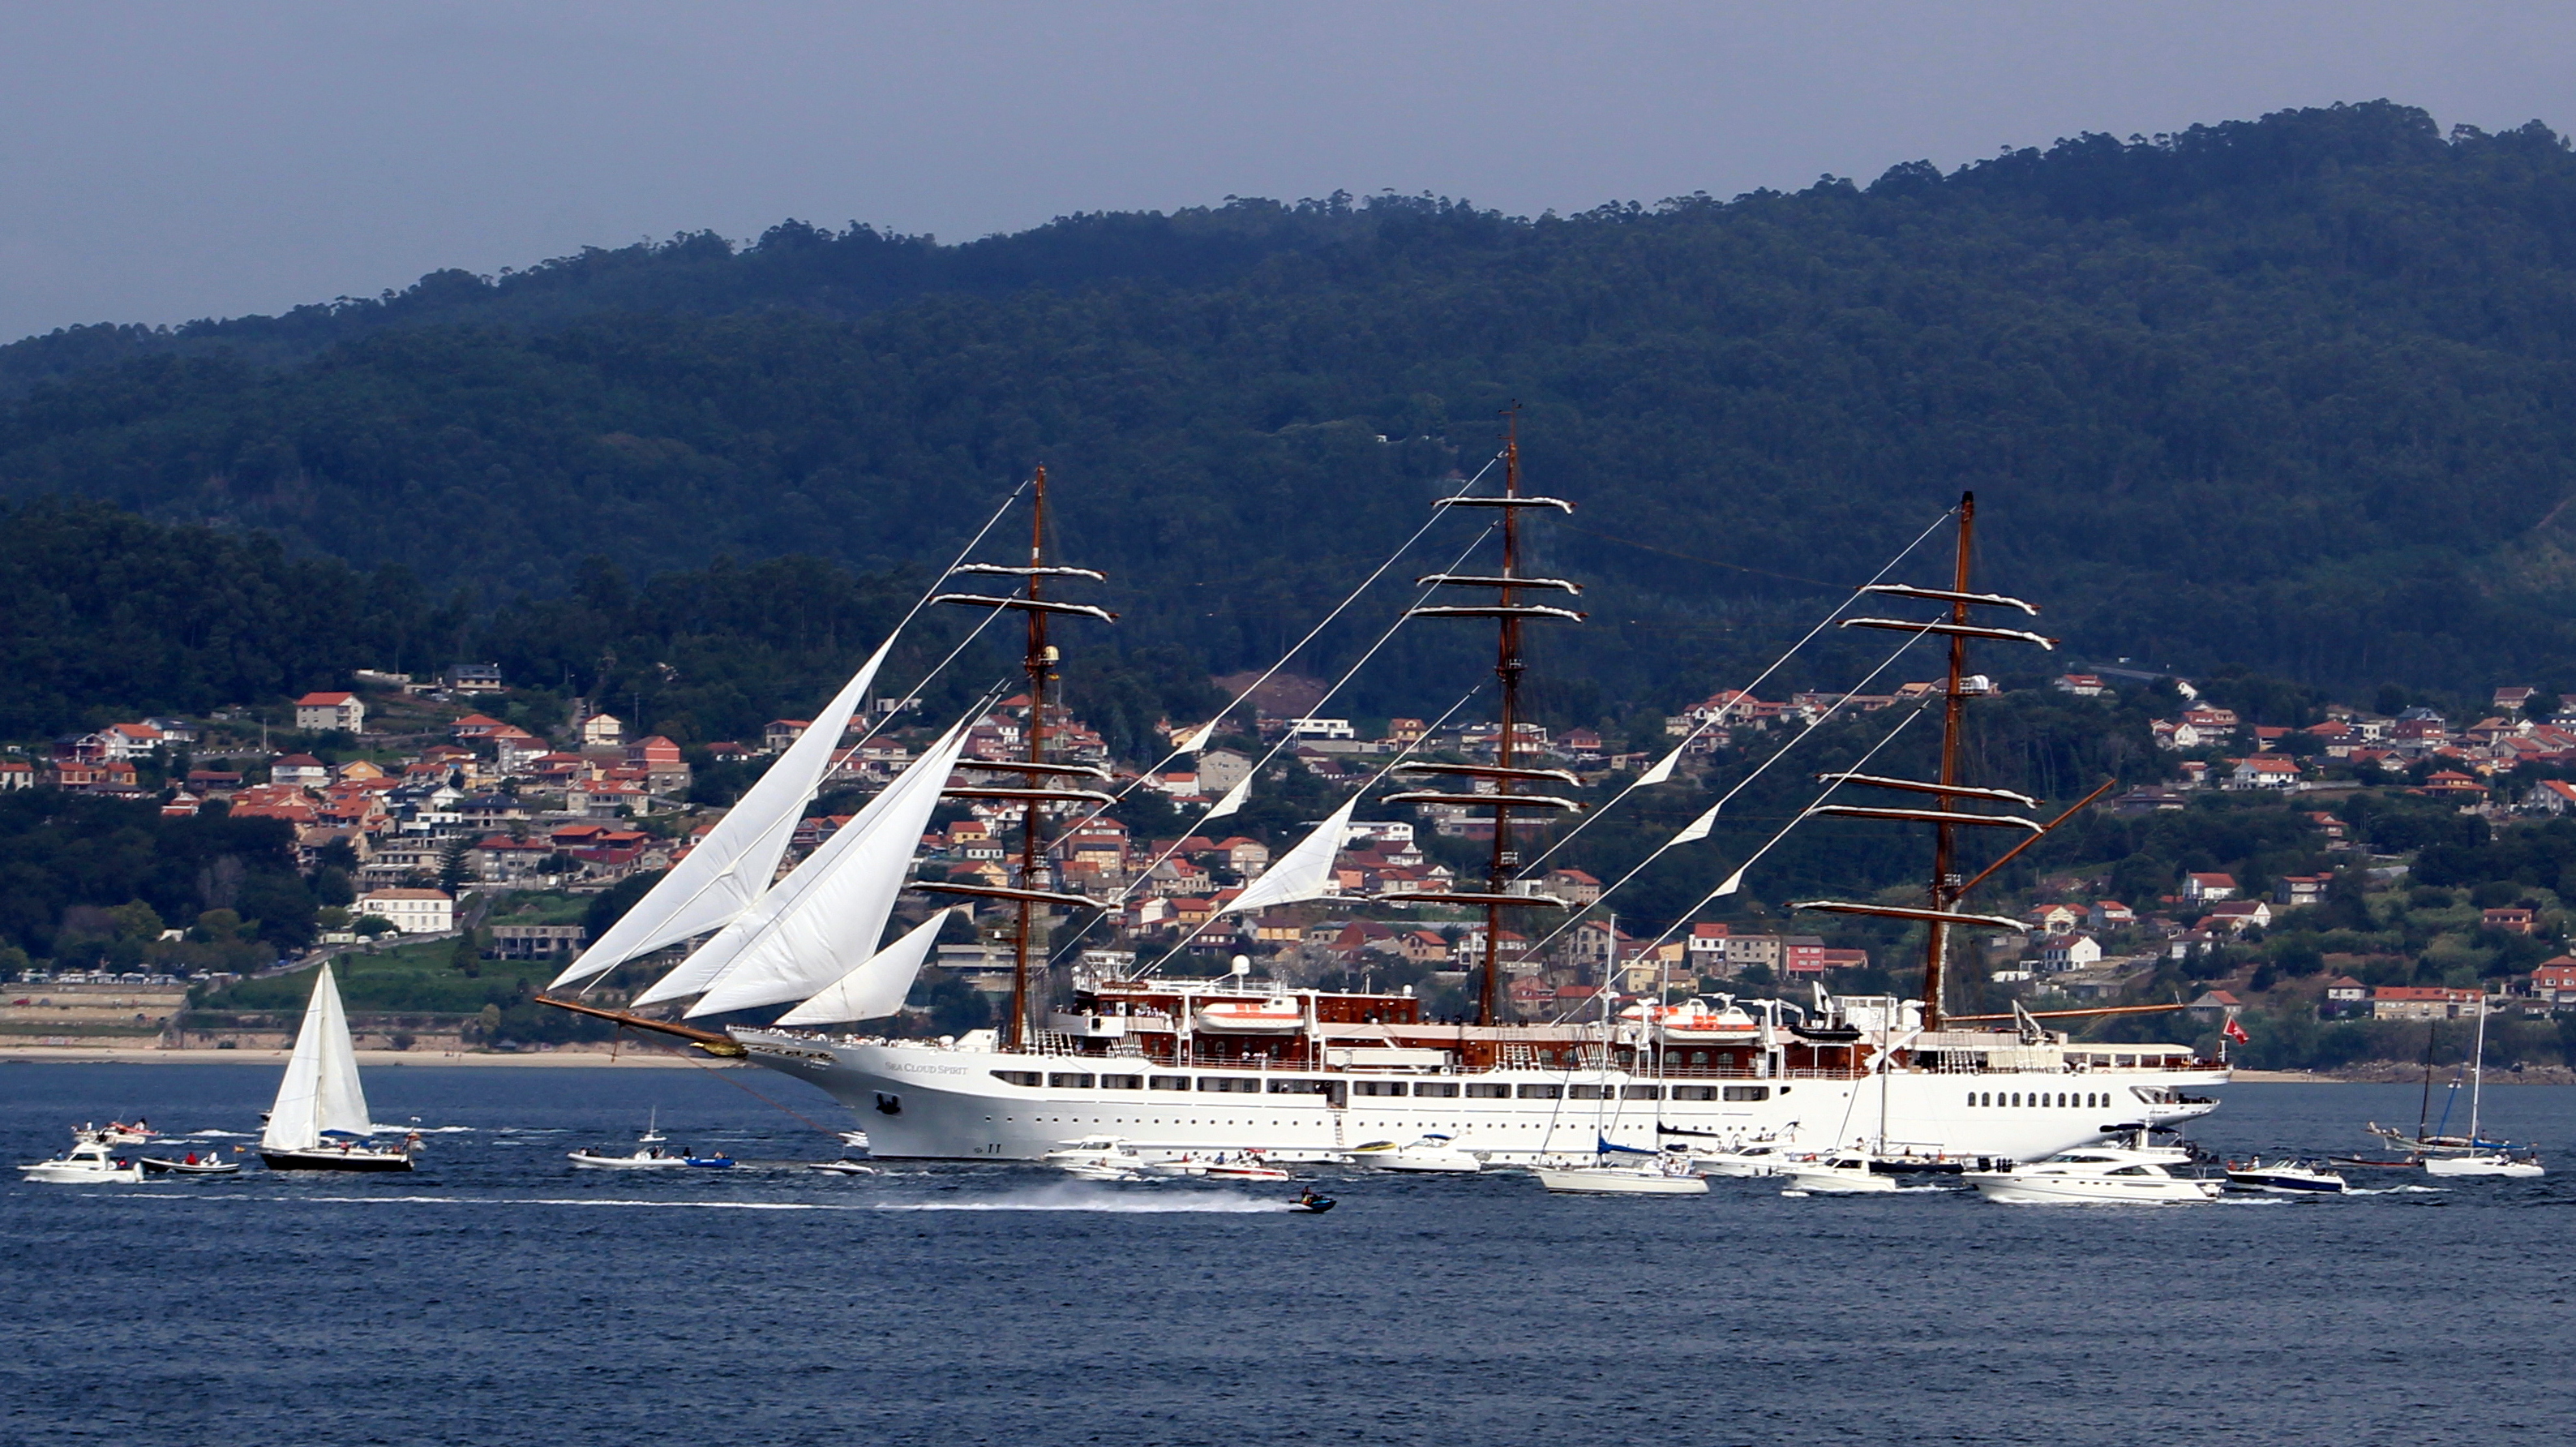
{"points": [[1254, 1017]]}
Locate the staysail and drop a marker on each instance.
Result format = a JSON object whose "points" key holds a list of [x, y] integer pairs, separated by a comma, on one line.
{"points": [[877, 987], [1304, 872], [801, 934], [320, 1092], [730, 868]]}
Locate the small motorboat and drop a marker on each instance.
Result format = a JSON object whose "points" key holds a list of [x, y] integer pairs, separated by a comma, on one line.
{"points": [[843, 1168], [2523, 1165], [2289, 1178], [1838, 1173], [1668, 1179], [642, 1158], [1185, 1164], [87, 1163], [1247, 1167], [192, 1164], [717, 1162], [1311, 1203], [2096, 1175], [1096, 1158], [1430, 1154], [116, 1133]]}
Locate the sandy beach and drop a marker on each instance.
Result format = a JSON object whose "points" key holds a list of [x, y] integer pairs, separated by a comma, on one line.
{"points": [[629, 1059]]}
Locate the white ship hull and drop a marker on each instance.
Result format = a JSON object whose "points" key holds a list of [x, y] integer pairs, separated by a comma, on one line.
{"points": [[921, 1100]]}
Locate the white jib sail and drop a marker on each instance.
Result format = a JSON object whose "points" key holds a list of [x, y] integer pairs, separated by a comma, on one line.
{"points": [[876, 988], [836, 901], [1233, 800], [728, 869], [1304, 872], [320, 1092]]}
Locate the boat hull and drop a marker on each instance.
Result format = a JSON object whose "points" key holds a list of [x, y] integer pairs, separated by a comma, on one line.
{"points": [[625, 1163], [2021, 1190], [1586, 1182], [2482, 1166], [334, 1161], [83, 1175], [926, 1101]]}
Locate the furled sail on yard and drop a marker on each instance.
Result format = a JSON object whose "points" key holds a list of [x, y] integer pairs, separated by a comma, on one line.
{"points": [[321, 1091], [729, 869], [799, 937], [878, 986]]}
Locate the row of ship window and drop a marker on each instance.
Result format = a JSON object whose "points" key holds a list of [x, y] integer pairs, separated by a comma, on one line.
{"points": [[2089, 1100], [1445, 1089]]}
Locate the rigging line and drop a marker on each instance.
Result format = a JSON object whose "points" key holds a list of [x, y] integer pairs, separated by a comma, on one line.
{"points": [[1741, 784], [1365, 584], [720, 1073], [1759, 679], [962, 644], [1190, 935], [1799, 818], [1057, 957]]}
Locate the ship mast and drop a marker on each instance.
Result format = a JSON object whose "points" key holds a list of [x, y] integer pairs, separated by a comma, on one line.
{"points": [[1034, 793], [1509, 612], [1940, 909]]}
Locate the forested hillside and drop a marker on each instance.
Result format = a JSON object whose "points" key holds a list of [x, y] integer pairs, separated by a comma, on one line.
{"points": [[2286, 393]]}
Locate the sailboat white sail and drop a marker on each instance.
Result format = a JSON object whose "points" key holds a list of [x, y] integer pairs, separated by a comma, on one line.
{"points": [[877, 987], [728, 870], [798, 938], [1304, 872], [320, 1092]]}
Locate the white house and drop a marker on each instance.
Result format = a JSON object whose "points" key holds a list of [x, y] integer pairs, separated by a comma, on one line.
{"points": [[318, 712], [412, 911], [2067, 952]]}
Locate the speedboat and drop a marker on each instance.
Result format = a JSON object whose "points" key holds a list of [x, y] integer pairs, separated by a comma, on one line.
{"points": [[2096, 1175], [1184, 1164], [2285, 1177], [116, 1133], [2524, 1166], [87, 1163], [210, 1164], [843, 1168], [1838, 1173], [1096, 1158], [642, 1158], [1246, 1167], [1663, 1178], [1430, 1153]]}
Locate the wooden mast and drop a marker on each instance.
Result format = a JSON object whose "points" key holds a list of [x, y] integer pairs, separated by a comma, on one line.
{"points": [[1945, 879], [1507, 669], [1039, 662]]}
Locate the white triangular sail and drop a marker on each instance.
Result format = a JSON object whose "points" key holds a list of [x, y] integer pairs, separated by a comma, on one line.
{"points": [[1698, 828], [878, 986], [729, 868], [802, 933], [1232, 801], [1190, 741], [1304, 872], [1663, 769], [320, 1091]]}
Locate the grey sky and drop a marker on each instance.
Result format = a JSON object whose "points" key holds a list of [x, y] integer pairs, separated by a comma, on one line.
{"points": [[163, 162]]}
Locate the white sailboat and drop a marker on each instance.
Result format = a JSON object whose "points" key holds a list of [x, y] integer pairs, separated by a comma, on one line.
{"points": [[2483, 1157], [319, 1121]]}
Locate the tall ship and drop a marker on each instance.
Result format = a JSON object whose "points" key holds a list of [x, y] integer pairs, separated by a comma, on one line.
{"points": [[1236, 1064]]}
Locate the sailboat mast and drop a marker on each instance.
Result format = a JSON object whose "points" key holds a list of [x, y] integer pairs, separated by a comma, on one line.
{"points": [[1040, 661], [1507, 669], [1953, 703], [2478, 1067]]}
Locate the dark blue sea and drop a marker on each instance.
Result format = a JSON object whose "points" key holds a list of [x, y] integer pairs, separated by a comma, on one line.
{"points": [[499, 1296]]}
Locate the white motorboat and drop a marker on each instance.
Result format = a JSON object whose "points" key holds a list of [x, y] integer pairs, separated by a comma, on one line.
{"points": [[1746, 1161], [87, 1163], [2522, 1165], [116, 1133], [1185, 1164], [1246, 1167], [2289, 1178], [319, 1122], [1432, 1153], [856, 1140], [652, 1135], [642, 1158], [1838, 1173], [2096, 1175], [1097, 1157], [1662, 1178], [844, 1168]]}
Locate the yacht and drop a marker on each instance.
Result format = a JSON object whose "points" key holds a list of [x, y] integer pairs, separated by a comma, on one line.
{"points": [[1839, 1173], [1657, 1178], [1434, 1153], [642, 1158], [319, 1121], [87, 1163], [2097, 1175], [2289, 1178]]}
